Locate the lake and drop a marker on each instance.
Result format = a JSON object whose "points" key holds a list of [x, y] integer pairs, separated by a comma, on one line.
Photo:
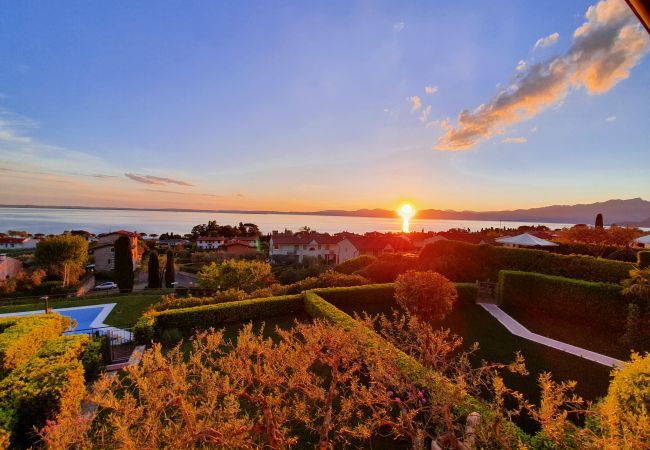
{"points": [[54, 221]]}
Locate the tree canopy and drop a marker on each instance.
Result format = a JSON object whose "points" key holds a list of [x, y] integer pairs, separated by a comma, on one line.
{"points": [[63, 256], [123, 264], [235, 274]]}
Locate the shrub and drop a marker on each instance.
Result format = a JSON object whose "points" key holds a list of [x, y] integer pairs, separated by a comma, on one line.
{"points": [[22, 337], [427, 295], [123, 264], [643, 259], [153, 269], [599, 303], [235, 274], [50, 383], [173, 302], [202, 317], [354, 265], [170, 269], [143, 332], [460, 261], [93, 359], [387, 267]]}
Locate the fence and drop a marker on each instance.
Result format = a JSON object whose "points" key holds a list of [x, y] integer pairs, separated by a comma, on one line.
{"points": [[119, 341]]}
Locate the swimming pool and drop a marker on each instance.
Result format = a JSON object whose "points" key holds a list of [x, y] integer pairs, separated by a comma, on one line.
{"points": [[92, 316]]}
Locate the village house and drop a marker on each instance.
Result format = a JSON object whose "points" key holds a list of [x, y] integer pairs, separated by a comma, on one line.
{"points": [[299, 247], [9, 267], [17, 243], [237, 249], [214, 242], [104, 251]]}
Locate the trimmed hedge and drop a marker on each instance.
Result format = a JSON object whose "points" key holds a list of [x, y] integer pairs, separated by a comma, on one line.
{"points": [[22, 337], [619, 253], [187, 320], [460, 261], [51, 382], [643, 259], [354, 265], [598, 303]]}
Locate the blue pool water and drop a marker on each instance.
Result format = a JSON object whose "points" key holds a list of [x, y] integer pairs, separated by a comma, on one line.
{"points": [[83, 317]]}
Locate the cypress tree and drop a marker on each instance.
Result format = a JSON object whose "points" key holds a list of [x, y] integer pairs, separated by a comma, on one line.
{"points": [[599, 221], [123, 264], [154, 270], [170, 271]]}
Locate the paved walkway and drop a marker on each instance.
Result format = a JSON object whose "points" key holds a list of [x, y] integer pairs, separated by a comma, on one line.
{"points": [[519, 330]]}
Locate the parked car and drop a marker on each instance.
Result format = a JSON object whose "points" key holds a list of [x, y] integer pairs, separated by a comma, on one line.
{"points": [[105, 286]]}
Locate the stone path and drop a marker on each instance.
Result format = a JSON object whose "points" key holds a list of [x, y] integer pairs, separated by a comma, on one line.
{"points": [[519, 330]]}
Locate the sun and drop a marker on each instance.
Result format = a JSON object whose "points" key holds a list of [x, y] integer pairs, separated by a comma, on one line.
{"points": [[406, 211]]}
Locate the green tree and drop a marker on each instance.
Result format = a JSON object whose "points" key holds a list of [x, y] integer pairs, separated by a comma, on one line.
{"points": [[123, 264], [599, 221], [153, 269], [170, 270], [427, 295], [235, 274], [63, 256]]}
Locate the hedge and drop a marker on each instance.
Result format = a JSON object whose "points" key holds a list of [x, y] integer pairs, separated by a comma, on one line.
{"points": [[460, 261], [643, 259], [187, 320], [599, 303], [353, 265], [619, 253], [22, 337], [50, 383]]}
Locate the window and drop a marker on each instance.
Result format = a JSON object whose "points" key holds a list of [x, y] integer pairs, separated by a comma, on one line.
{"points": [[112, 249], [109, 260]]}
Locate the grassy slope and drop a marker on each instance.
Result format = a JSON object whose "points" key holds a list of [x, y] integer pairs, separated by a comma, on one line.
{"points": [[127, 311]]}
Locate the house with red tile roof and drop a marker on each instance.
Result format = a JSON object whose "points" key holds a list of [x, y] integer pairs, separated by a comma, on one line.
{"points": [[17, 243], [301, 246], [104, 251]]}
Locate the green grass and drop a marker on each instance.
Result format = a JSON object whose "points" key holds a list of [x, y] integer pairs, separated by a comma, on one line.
{"points": [[127, 311], [597, 339], [497, 344]]}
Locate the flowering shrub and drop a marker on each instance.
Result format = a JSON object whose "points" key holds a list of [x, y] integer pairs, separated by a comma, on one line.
{"points": [[235, 274], [427, 295]]}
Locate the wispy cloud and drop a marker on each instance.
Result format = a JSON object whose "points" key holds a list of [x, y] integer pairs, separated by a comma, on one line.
{"points": [[547, 41], [424, 115], [151, 179], [521, 65], [416, 102], [610, 119], [430, 90], [163, 191], [399, 26], [514, 140], [603, 51]]}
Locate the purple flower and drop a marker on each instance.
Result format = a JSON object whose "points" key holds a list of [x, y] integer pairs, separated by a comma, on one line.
{"points": [[390, 393], [398, 400], [420, 394]]}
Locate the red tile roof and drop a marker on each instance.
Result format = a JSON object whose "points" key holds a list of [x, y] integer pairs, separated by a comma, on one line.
{"points": [[120, 232], [12, 240], [304, 239]]}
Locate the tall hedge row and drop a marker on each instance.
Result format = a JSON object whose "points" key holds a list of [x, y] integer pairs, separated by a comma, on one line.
{"points": [[601, 304], [460, 261], [50, 383], [643, 259], [22, 337]]}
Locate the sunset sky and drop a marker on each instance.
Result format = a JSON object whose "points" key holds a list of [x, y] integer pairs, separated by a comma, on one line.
{"points": [[294, 105]]}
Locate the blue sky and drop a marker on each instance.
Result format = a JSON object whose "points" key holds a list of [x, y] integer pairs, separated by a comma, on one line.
{"points": [[310, 105]]}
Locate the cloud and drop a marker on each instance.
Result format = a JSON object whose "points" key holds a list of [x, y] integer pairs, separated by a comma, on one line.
{"points": [[416, 102], [514, 140], [424, 115], [547, 41], [534, 129], [602, 52], [182, 193], [430, 90], [521, 65], [610, 119], [399, 26], [151, 179]]}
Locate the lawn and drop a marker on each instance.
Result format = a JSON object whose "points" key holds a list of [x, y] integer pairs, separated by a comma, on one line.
{"points": [[127, 311]]}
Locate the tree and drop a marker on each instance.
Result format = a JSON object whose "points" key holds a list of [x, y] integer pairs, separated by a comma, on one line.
{"points": [[599, 221], [123, 264], [153, 269], [170, 270], [427, 295], [63, 256], [235, 274]]}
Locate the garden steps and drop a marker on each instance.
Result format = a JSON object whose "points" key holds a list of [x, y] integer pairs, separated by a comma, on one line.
{"points": [[518, 329]]}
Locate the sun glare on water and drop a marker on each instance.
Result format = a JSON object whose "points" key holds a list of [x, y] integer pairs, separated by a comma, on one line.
{"points": [[406, 211]]}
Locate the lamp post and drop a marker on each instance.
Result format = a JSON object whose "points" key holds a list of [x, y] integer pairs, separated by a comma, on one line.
{"points": [[47, 306]]}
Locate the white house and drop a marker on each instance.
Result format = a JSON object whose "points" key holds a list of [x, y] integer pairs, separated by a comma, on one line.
{"points": [[210, 242], [314, 245], [643, 241], [17, 243]]}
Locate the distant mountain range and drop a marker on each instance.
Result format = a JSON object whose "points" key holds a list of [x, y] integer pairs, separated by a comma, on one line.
{"points": [[634, 211]]}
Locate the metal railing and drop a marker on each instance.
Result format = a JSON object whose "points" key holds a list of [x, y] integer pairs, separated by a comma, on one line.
{"points": [[119, 341]]}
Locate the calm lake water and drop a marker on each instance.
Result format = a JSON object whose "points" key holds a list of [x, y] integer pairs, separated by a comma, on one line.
{"points": [[48, 220]]}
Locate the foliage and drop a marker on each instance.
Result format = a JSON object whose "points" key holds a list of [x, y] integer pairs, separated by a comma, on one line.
{"points": [[24, 283], [643, 259], [153, 269], [22, 337], [609, 236], [601, 304], [428, 295], [94, 357], [297, 271], [64, 256], [616, 252], [354, 265], [213, 229], [174, 302], [123, 264], [235, 274], [49, 385], [460, 261], [388, 266], [637, 296], [187, 320], [599, 221], [170, 270], [326, 279]]}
